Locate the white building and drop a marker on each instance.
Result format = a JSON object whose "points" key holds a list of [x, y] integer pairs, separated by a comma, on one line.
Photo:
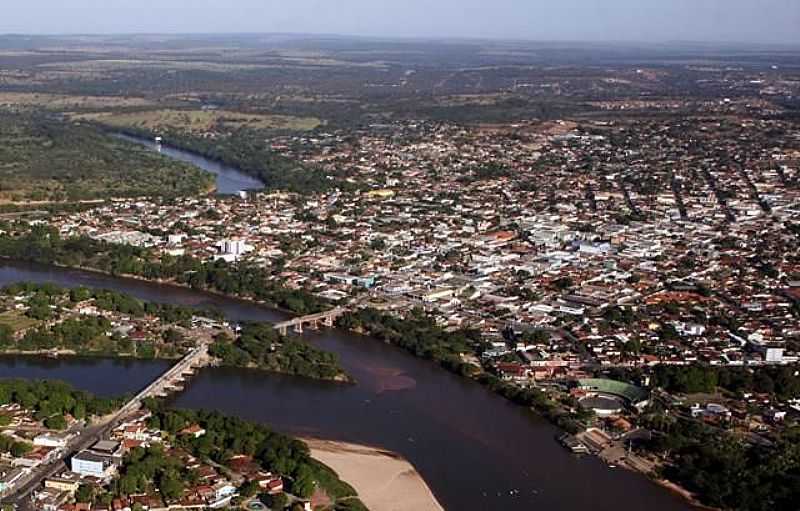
{"points": [[56, 440], [89, 464]]}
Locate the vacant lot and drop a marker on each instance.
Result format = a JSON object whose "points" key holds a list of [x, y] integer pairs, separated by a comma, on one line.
{"points": [[200, 121]]}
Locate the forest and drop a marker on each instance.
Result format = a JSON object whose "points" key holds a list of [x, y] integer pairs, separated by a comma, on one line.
{"points": [[43, 158], [51, 401], [259, 345], [727, 472]]}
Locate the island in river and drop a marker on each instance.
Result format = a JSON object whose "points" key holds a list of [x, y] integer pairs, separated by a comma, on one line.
{"points": [[473, 448], [49, 319]]}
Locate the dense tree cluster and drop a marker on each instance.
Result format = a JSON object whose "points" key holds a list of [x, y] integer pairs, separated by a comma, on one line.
{"points": [[51, 401], [259, 345], [246, 151], [45, 158], [44, 245], [13, 447], [147, 469], [726, 472], [781, 381], [418, 334], [276, 452]]}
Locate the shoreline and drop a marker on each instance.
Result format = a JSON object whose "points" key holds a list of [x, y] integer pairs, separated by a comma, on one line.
{"points": [[666, 484], [384, 480], [684, 493]]}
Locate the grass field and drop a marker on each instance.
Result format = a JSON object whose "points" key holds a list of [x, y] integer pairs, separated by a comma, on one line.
{"points": [[199, 121], [63, 103], [17, 321]]}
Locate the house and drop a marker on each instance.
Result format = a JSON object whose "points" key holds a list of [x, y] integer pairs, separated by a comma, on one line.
{"points": [[194, 430], [55, 440], [66, 484], [511, 371]]}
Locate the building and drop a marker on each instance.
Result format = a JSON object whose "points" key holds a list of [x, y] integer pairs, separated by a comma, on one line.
{"points": [[89, 464], [62, 484], [55, 440], [8, 479]]}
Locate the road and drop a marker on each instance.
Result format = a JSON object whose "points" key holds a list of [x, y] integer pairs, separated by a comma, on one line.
{"points": [[88, 436], [30, 482]]}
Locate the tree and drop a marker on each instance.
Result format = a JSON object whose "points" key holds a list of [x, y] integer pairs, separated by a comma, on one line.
{"points": [[170, 485], [275, 502], [249, 489], [56, 422], [85, 493], [20, 449], [303, 485], [172, 336], [79, 294], [42, 312], [6, 336], [563, 283]]}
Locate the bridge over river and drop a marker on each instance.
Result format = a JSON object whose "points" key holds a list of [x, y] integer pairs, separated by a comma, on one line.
{"points": [[172, 380], [312, 320]]}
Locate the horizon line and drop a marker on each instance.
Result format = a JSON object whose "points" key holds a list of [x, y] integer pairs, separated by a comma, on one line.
{"points": [[409, 38]]}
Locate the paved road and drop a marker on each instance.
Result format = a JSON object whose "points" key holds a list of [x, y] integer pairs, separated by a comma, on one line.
{"points": [[90, 435], [25, 487]]}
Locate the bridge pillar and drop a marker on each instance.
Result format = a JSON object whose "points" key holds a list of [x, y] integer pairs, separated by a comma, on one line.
{"points": [[282, 331], [298, 327], [328, 321]]}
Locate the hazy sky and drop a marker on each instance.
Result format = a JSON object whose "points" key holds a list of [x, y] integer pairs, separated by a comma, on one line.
{"points": [[618, 20]]}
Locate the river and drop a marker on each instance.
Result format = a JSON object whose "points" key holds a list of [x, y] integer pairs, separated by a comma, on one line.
{"points": [[229, 179], [476, 450]]}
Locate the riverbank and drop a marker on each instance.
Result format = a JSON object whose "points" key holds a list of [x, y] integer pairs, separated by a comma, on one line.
{"points": [[357, 401], [384, 480], [688, 496]]}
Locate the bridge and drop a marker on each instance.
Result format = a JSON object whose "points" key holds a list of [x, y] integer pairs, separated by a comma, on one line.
{"points": [[172, 380], [312, 320]]}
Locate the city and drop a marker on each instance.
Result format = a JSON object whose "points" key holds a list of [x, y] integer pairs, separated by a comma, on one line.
{"points": [[281, 271]]}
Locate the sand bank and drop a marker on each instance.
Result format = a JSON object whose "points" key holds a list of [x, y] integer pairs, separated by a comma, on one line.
{"points": [[384, 480]]}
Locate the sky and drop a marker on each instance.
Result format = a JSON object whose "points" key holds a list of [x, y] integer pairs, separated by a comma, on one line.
{"points": [[762, 21]]}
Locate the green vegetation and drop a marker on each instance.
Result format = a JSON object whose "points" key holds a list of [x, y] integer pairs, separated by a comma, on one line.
{"points": [[13, 447], [51, 401], [228, 436], [146, 469], [199, 121], [43, 158], [13, 321], [725, 472], [247, 151], [259, 345], [783, 382], [419, 335], [87, 335], [44, 245]]}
